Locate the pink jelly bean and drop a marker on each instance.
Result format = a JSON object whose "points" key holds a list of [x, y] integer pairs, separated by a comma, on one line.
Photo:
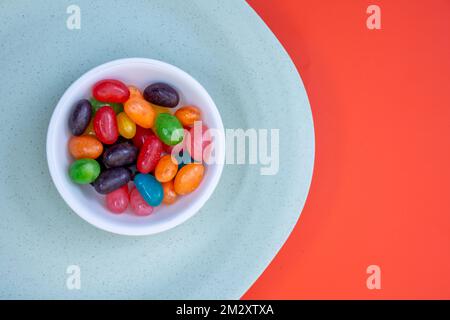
{"points": [[117, 201], [138, 204], [199, 138]]}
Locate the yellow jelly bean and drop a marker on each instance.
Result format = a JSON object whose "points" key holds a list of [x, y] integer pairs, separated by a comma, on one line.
{"points": [[127, 128]]}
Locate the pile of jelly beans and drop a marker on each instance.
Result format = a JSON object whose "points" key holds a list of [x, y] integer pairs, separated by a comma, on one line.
{"points": [[124, 143]]}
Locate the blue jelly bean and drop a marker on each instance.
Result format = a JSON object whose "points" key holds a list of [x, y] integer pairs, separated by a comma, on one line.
{"points": [[149, 188]]}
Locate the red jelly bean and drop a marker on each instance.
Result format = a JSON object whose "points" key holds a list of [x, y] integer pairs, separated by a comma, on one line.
{"points": [[149, 154], [138, 204], [105, 125], [117, 201], [141, 135], [111, 91]]}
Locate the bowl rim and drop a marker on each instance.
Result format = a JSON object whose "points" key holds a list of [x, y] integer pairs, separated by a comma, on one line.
{"points": [[117, 228]]}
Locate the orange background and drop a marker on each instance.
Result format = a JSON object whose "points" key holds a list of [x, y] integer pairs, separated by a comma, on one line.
{"points": [[380, 190]]}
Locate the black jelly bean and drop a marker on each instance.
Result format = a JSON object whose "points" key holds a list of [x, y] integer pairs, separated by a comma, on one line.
{"points": [[112, 179], [80, 117], [119, 155], [162, 95]]}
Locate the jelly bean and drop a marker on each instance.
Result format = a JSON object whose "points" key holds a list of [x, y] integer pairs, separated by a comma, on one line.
{"points": [[117, 107], [140, 111], [158, 110], [169, 129], [90, 129], [112, 179], [138, 204], [166, 169], [170, 196], [135, 92], [117, 201], [188, 115], [127, 128], [149, 188], [197, 142], [105, 125], [111, 91], [141, 135], [80, 117], [162, 95], [149, 155], [188, 178], [119, 155], [84, 171], [85, 147]]}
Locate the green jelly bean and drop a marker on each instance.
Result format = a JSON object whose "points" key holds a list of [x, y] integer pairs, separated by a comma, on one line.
{"points": [[169, 129], [117, 107], [84, 171]]}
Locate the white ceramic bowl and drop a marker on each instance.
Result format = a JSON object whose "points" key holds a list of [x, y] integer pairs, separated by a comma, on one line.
{"points": [[83, 199]]}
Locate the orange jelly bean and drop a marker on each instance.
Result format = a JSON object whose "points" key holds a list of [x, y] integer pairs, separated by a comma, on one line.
{"points": [[166, 169], [170, 196], [140, 112], [188, 178], [81, 147], [188, 115], [135, 92], [127, 128]]}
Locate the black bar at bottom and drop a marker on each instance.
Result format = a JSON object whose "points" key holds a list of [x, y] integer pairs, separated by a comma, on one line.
{"points": [[214, 309]]}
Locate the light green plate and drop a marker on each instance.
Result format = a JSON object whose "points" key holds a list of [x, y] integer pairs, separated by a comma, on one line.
{"points": [[218, 253]]}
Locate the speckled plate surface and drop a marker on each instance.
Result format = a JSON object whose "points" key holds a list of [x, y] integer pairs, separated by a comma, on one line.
{"points": [[218, 253]]}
